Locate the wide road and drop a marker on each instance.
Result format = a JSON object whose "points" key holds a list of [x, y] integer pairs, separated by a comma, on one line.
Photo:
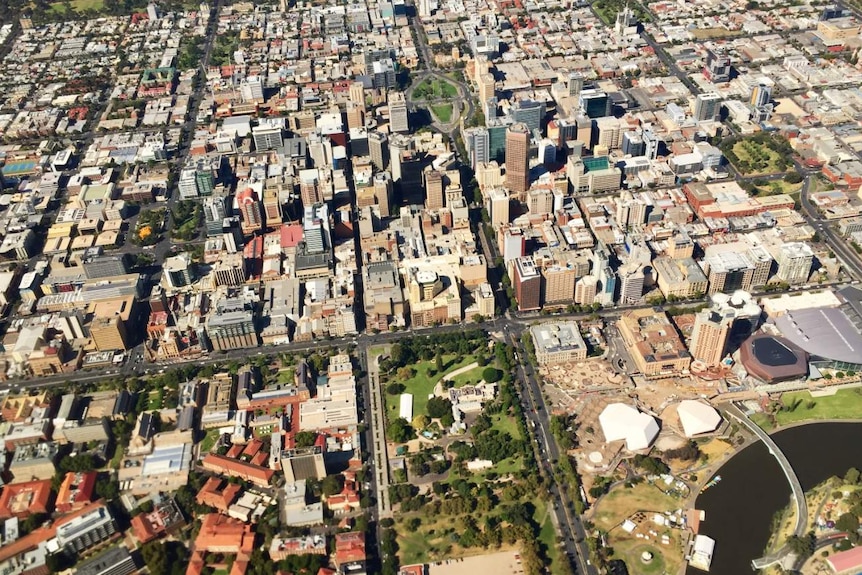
{"points": [[536, 412]]}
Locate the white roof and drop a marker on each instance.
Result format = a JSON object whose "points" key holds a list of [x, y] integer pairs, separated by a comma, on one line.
{"points": [[624, 422], [406, 407], [701, 558], [697, 417]]}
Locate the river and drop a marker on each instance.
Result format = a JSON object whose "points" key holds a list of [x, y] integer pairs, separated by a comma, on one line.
{"points": [[739, 510]]}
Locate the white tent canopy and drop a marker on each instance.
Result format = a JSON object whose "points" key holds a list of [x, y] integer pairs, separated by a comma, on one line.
{"points": [[697, 417], [624, 422]]}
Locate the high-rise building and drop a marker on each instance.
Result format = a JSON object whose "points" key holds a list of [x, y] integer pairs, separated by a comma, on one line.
{"points": [[717, 68], [631, 277], [574, 84], [434, 199], [383, 193], [378, 149], [398, 117], [309, 187], [486, 87], [514, 244], [540, 201], [267, 138], [585, 290], [558, 284], [108, 333], [497, 203], [728, 270], [478, 145], [595, 104], [527, 284], [272, 207], [707, 107], [357, 94], [383, 74], [251, 90], [709, 337], [518, 158], [794, 262], [249, 211], [528, 112], [761, 94], [633, 144], [355, 115]]}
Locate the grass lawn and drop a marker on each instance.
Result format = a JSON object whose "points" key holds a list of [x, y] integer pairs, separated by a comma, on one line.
{"points": [[79, 6], [473, 377], [845, 404], [779, 187], [760, 159], [117, 458], [631, 551], [505, 424], [434, 89], [286, 376], [209, 441], [622, 502], [155, 400], [443, 112], [431, 541], [422, 384]]}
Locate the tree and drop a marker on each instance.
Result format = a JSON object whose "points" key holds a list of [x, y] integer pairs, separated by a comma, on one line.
{"points": [[332, 485], [305, 438], [848, 523], [400, 431], [802, 546], [492, 374], [852, 476], [421, 421], [438, 407], [405, 373], [438, 361]]}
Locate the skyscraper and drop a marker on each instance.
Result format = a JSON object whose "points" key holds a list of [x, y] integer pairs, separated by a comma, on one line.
{"points": [[709, 336], [595, 104], [794, 262], [575, 84], [433, 190], [707, 107], [398, 118], [518, 158], [249, 211], [378, 149]]}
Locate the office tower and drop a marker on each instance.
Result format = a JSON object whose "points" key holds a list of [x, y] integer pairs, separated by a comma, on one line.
{"points": [[383, 193], [489, 108], [729, 269], [518, 158], [378, 149], [249, 211], [357, 94], [610, 135], [584, 132], [585, 290], [593, 174], [397, 149], [152, 12], [761, 95], [433, 190], [398, 118], [486, 87], [478, 145], [794, 262], [498, 206], [633, 144], [514, 244], [595, 104], [267, 138], [717, 68], [630, 211], [528, 112], [547, 151], [631, 283], [651, 144], [383, 74], [558, 284], [272, 207], [540, 201], [707, 107], [527, 284], [359, 142], [108, 333], [309, 187], [355, 115], [574, 84], [251, 90], [709, 336]]}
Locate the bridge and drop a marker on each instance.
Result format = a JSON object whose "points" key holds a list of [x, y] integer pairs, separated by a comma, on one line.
{"points": [[798, 494]]}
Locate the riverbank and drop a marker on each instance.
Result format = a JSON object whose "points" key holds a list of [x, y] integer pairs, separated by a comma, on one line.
{"points": [[803, 407]]}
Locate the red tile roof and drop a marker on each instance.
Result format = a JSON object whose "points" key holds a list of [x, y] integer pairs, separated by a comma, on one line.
{"points": [[24, 499], [254, 473], [76, 490], [349, 547]]}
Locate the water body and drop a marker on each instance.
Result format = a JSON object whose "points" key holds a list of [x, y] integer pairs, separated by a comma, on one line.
{"points": [[753, 488]]}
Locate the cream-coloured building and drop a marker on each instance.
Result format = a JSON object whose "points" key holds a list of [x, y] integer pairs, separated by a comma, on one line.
{"points": [[653, 342], [558, 342]]}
